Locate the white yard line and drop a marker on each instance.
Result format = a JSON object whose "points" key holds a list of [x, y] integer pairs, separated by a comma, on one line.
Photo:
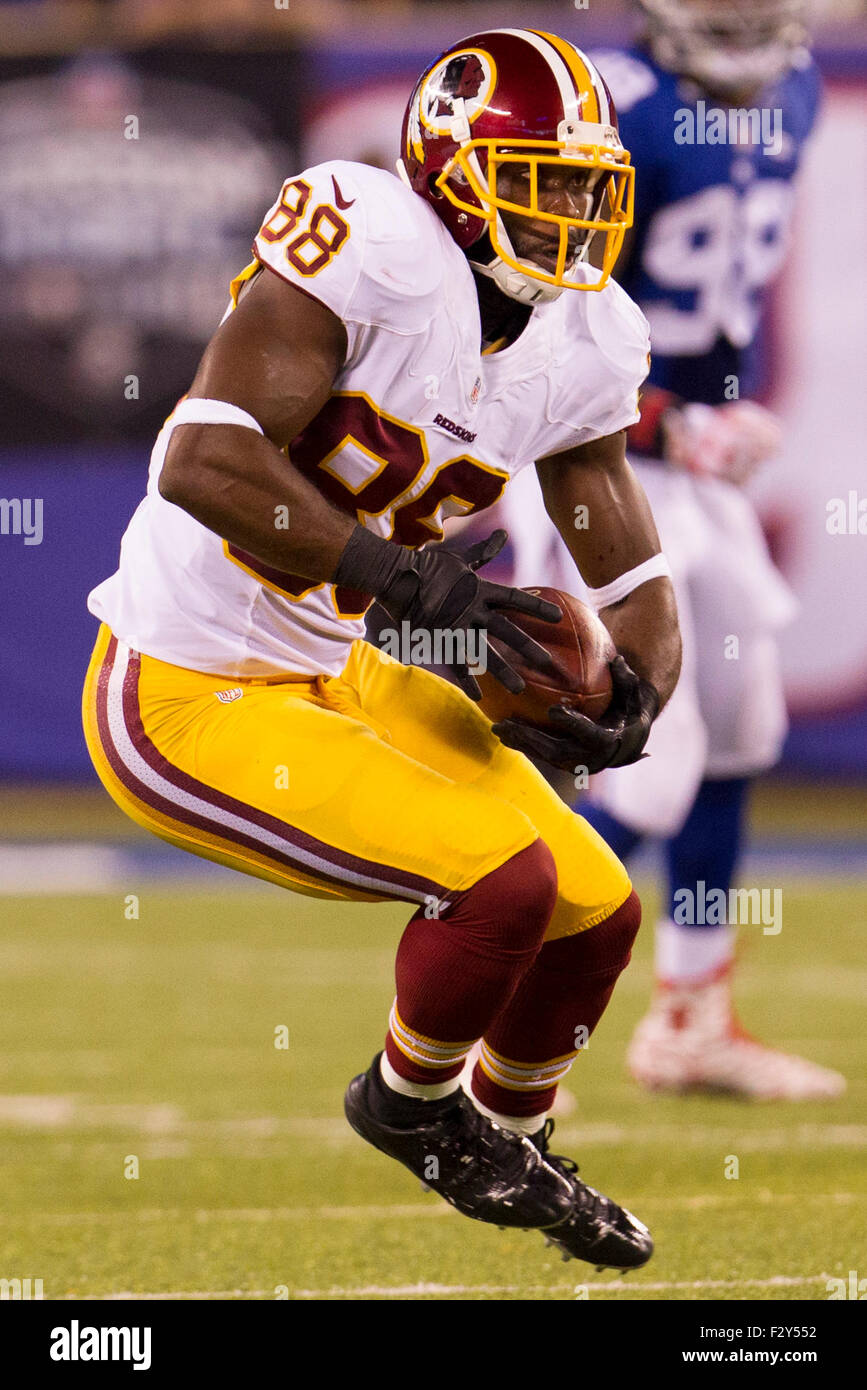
{"points": [[406, 1210], [70, 1112], [594, 1289], [249, 1215], [780, 1281]]}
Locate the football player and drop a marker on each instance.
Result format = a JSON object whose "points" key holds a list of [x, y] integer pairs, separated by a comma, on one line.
{"points": [[394, 353], [715, 104]]}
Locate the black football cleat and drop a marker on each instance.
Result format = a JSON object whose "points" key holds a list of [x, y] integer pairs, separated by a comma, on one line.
{"points": [[483, 1171], [598, 1230]]}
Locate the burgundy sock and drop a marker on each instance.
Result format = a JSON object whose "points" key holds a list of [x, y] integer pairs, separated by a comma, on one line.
{"points": [[531, 1044], [455, 973]]}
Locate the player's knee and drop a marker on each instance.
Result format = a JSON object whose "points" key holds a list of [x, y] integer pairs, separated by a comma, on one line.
{"points": [[532, 893], [605, 948], [513, 904], [612, 939]]}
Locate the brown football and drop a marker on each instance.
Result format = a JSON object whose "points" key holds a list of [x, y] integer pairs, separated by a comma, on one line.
{"points": [[582, 648]]}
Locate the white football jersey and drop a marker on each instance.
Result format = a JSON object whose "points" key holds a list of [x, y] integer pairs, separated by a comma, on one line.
{"points": [[420, 425]]}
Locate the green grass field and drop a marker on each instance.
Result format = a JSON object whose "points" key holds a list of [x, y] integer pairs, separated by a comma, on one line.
{"points": [[154, 1038]]}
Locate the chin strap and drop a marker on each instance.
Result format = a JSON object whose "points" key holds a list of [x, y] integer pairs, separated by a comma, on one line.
{"points": [[517, 286], [510, 281]]}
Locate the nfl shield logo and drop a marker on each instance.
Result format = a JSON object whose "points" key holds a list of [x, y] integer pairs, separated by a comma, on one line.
{"points": [[227, 696], [476, 391]]}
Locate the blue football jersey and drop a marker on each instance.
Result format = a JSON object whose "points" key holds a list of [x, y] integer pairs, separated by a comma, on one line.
{"points": [[711, 219]]}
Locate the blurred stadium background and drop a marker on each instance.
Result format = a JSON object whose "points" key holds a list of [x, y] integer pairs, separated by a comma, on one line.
{"points": [[140, 142]]}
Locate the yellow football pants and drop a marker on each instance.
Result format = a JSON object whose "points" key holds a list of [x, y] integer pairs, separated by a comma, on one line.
{"points": [[383, 782]]}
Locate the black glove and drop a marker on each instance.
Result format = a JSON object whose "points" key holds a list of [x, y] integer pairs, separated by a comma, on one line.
{"points": [[617, 739], [435, 588]]}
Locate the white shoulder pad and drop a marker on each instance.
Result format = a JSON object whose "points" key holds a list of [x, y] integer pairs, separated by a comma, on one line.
{"points": [[602, 356], [620, 331], [629, 78], [358, 240]]}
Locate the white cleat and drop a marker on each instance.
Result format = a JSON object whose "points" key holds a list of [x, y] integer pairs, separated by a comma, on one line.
{"points": [[691, 1040]]}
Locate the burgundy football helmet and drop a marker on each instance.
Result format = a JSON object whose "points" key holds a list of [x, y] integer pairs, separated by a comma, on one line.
{"points": [[507, 122]]}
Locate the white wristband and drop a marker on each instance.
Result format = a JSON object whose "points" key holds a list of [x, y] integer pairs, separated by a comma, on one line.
{"points": [[197, 410], [654, 568]]}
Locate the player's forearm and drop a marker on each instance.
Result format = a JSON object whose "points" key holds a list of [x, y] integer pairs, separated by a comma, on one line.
{"points": [[645, 631], [595, 486], [600, 509], [241, 486]]}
